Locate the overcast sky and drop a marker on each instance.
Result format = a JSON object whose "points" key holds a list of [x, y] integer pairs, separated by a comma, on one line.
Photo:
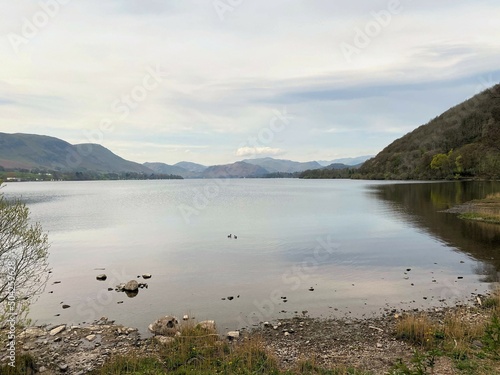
{"points": [[215, 81]]}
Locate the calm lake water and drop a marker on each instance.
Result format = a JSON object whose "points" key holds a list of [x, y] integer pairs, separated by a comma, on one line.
{"points": [[362, 246]]}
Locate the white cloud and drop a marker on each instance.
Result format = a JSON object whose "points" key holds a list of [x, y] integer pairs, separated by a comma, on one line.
{"points": [[226, 77], [258, 151]]}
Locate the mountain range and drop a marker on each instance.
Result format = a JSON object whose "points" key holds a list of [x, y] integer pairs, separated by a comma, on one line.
{"points": [[31, 152]]}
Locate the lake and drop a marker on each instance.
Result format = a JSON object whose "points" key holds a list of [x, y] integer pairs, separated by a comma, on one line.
{"points": [[332, 248]]}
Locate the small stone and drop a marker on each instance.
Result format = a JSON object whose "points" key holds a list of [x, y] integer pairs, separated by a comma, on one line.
{"points": [[165, 340], [233, 335], [146, 276], [460, 277], [185, 317], [63, 367], [230, 298], [477, 344], [287, 333], [379, 345], [42, 369], [101, 277], [311, 289], [66, 306], [91, 337], [119, 302]]}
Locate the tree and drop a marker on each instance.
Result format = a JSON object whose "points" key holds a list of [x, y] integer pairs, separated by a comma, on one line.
{"points": [[24, 268]]}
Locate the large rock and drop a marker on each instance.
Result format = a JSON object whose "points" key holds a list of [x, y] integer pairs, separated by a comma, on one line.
{"points": [[209, 325], [131, 286], [166, 326], [57, 330]]}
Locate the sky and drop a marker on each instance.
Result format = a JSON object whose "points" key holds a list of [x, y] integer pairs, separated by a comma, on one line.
{"points": [[216, 81]]}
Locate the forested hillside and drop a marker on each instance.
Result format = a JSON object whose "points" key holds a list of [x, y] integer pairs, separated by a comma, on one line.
{"points": [[463, 142]]}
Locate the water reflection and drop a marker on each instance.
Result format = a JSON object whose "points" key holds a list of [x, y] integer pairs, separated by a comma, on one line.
{"points": [[423, 205]]}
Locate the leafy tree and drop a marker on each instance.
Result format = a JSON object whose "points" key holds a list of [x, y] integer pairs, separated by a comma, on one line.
{"points": [[24, 269]]}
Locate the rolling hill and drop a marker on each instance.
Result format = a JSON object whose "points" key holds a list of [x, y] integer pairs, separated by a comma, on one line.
{"points": [[284, 166], [463, 142], [235, 170], [30, 151]]}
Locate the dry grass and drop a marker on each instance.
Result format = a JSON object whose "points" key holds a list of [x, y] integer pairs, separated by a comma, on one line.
{"points": [[417, 329]]}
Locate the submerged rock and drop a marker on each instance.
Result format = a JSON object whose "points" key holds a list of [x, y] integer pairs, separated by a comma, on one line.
{"points": [[101, 277]]}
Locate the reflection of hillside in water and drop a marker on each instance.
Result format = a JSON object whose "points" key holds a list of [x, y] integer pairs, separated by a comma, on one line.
{"points": [[422, 204]]}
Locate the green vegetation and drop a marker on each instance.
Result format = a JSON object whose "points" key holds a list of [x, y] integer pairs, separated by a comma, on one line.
{"points": [[462, 143], [47, 175], [472, 346], [23, 261], [486, 210], [200, 351], [326, 173]]}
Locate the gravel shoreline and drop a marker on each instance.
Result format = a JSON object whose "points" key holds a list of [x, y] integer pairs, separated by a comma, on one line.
{"points": [[365, 344]]}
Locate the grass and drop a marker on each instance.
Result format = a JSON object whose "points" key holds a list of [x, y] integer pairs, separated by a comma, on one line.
{"points": [[486, 210], [199, 351], [472, 345]]}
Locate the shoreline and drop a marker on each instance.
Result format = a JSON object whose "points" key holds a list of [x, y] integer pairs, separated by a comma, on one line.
{"points": [[363, 343]]}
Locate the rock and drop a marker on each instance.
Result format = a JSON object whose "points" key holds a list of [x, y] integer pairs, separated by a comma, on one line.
{"points": [[32, 332], [119, 287], [166, 326], [233, 335], [477, 344], [230, 298], [165, 340], [311, 289], [91, 337], [57, 330], [42, 369], [287, 333], [185, 317], [146, 276], [131, 286], [66, 306], [101, 277], [209, 325], [63, 367]]}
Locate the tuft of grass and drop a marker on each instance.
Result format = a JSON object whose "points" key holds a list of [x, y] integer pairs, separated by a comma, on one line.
{"points": [[481, 216], [418, 330]]}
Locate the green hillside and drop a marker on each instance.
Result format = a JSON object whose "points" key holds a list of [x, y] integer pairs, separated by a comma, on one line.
{"points": [[463, 142]]}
